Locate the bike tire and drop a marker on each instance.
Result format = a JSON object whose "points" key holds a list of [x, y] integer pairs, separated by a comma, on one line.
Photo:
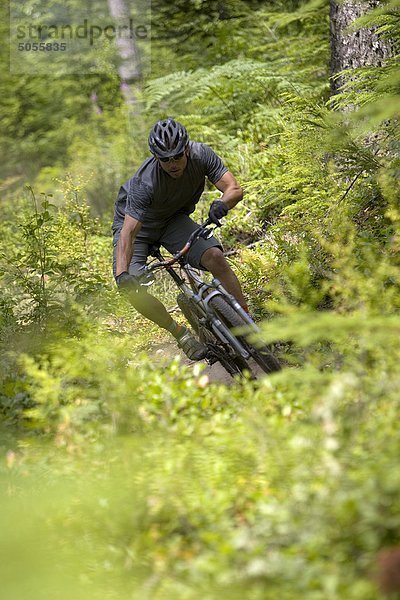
{"points": [[263, 356], [232, 364]]}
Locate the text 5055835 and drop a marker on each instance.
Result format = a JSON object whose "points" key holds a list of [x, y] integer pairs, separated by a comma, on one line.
{"points": [[42, 46]]}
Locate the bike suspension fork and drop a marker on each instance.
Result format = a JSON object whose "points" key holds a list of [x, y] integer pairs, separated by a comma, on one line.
{"points": [[235, 304]]}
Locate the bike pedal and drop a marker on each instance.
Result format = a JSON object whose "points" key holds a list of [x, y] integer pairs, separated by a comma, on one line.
{"points": [[210, 358]]}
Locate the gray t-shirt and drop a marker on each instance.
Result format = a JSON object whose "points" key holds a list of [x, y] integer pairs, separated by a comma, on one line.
{"points": [[152, 196]]}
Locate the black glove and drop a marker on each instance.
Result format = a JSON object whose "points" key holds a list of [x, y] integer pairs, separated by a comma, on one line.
{"points": [[126, 282], [218, 209]]}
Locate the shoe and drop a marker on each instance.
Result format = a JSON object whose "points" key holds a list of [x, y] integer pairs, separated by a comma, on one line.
{"points": [[193, 349]]}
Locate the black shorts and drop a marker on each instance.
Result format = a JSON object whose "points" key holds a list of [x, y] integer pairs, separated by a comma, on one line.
{"points": [[172, 237]]}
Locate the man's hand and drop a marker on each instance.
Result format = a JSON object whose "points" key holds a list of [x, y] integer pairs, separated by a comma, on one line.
{"points": [[218, 209], [126, 282]]}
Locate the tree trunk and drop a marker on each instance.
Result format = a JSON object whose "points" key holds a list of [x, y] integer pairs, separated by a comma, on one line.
{"points": [[356, 48], [129, 68]]}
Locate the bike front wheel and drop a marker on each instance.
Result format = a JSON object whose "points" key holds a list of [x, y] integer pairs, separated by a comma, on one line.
{"points": [[234, 365], [262, 355]]}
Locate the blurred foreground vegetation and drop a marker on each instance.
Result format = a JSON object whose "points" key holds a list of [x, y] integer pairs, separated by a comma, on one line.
{"points": [[126, 475]]}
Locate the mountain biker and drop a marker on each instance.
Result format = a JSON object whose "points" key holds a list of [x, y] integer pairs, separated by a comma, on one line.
{"points": [[154, 205]]}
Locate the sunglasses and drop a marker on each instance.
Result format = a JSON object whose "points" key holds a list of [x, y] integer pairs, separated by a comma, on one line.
{"points": [[175, 157]]}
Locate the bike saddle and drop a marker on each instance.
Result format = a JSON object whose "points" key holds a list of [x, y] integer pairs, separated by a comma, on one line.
{"points": [[154, 250]]}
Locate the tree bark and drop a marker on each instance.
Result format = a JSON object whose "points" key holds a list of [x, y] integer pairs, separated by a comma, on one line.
{"points": [[129, 68], [355, 48]]}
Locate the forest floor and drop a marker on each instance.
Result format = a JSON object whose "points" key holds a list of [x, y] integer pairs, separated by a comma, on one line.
{"points": [[165, 351]]}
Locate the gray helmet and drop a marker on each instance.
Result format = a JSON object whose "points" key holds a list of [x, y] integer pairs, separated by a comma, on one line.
{"points": [[167, 138]]}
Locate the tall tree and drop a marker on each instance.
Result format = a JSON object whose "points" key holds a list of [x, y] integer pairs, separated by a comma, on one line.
{"points": [[129, 66], [353, 48]]}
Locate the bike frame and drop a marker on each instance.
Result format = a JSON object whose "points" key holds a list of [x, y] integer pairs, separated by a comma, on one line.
{"points": [[201, 292], [205, 292]]}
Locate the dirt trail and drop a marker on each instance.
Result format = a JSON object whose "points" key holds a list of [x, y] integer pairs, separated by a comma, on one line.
{"points": [[165, 352]]}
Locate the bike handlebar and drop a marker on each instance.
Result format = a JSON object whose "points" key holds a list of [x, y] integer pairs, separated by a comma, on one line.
{"points": [[199, 232]]}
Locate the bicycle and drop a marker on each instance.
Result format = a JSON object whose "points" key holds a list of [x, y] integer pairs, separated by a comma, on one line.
{"points": [[215, 316]]}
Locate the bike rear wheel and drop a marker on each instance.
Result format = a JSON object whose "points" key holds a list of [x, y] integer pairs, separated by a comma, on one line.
{"points": [[262, 355], [188, 308]]}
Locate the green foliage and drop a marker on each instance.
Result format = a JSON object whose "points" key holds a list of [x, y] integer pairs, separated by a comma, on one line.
{"points": [[49, 258], [218, 31], [39, 124], [261, 489], [33, 265]]}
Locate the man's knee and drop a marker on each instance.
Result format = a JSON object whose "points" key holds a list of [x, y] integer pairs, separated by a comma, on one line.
{"points": [[214, 260]]}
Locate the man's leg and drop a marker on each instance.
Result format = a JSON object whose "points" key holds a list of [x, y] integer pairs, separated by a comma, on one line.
{"points": [[214, 261], [151, 308], [206, 254]]}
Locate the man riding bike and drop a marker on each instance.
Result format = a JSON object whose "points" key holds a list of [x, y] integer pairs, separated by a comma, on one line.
{"points": [[154, 207]]}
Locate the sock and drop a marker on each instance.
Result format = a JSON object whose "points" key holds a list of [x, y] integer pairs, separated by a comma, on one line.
{"points": [[176, 329]]}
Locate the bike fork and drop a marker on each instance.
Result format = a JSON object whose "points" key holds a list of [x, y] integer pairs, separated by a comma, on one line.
{"points": [[235, 304], [229, 338], [219, 328]]}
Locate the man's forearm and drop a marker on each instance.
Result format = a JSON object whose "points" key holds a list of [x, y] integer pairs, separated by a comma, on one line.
{"points": [[232, 196], [124, 251]]}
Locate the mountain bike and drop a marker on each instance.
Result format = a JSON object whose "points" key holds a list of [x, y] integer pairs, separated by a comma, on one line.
{"points": [[215, 316]]}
